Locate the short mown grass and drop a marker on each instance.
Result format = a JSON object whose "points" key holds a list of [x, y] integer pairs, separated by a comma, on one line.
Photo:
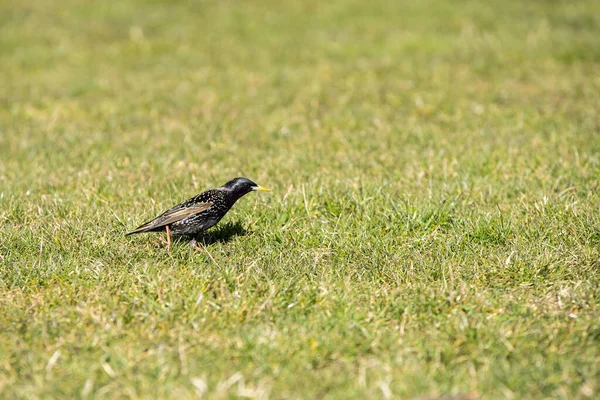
{"points": [[434, 226]]}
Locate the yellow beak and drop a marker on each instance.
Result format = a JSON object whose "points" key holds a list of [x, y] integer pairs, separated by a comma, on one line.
{"points": [[262, 189]]}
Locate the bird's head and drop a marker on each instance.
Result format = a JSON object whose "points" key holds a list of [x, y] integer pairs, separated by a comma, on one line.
{"points": [[241, 186]]}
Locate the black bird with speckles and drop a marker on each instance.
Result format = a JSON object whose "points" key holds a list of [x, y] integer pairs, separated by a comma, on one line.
{"points": [[200, 212]]}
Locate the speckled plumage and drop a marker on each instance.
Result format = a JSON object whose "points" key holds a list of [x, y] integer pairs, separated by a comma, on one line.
{"points": [[200, 212]]}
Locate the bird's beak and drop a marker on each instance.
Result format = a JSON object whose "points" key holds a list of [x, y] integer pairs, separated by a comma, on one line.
{"points": [[261, 189]]}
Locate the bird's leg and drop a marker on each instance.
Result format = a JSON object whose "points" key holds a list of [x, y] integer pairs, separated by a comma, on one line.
{"points": [[168, 237]]}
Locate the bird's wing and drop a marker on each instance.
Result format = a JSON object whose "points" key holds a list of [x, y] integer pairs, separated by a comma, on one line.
{"points": [[173, 215]]}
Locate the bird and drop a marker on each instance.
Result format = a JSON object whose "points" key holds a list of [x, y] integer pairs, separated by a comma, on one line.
{"points": [[200, 212]]}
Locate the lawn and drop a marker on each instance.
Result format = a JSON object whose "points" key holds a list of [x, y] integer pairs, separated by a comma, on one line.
{"points": [[433, 227]]}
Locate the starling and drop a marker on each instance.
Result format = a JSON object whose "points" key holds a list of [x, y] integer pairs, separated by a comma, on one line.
{"points": [[200, 212]]}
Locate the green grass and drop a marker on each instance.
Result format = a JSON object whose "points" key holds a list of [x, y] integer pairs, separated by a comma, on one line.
{"points": [[434, 226]]}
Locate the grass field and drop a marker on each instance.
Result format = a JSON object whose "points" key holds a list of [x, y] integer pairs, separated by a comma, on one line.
{"points": [[434, 225]]}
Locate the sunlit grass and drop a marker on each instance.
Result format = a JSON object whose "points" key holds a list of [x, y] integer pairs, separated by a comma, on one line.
{"points": [[433, 227]]}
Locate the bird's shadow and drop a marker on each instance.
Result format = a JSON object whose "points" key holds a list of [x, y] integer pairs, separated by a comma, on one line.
{"points": [[222, 234]]}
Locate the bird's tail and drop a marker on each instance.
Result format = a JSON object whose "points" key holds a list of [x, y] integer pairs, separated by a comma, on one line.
{"points": [[140, 229]]}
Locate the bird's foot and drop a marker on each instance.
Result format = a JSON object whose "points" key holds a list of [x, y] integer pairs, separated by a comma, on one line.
{"points": [[194, 245], [165, 243]]}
